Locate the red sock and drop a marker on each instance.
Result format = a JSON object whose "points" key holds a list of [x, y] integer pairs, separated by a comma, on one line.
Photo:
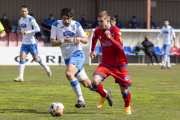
{"points": [[99, 89], [127, 98]]}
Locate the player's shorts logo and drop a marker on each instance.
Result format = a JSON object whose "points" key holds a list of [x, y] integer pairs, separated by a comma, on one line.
{"points": [[23, 25], [127, 78], [106, 43]]}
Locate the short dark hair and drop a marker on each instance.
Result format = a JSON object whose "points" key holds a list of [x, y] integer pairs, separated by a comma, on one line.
{"points": [[116, 15], [69, 12], [23, 6], [166, 20], [133, 17]]}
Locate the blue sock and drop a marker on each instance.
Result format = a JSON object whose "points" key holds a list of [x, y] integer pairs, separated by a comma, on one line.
{"points": [[92, 89], [40, 61]]}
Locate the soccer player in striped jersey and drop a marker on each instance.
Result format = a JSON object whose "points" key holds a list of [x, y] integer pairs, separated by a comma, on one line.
{"points": [[168, 34], [69, 34], [29, 43]]}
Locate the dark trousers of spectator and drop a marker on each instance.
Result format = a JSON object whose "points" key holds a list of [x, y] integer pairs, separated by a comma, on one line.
{"points": [[151, 54], [47, 32]]}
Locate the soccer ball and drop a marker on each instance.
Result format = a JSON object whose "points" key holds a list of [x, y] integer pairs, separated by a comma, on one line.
{"points": [[56, 109]]}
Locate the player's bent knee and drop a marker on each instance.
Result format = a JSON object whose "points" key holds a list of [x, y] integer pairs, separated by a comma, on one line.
{"points": [[82, 75]]}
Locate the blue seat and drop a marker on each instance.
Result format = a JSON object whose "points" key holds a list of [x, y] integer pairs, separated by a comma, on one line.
{"points": [[158, 51], [162, 51], [98, 50], [127, 51], [14, 28], [138, 54]]}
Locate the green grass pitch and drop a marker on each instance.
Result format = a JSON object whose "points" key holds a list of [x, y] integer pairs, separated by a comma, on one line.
{"points": [[155, 95]]}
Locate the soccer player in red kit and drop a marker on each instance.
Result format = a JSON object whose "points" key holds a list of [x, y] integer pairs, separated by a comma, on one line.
{"points": [[113, 61]]}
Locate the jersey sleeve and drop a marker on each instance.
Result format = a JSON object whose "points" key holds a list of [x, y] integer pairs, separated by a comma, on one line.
{"points": [[94, 40], [117, 40], [53, 30], [80, 30], [34, 25], [173, 33], [160, 34]]}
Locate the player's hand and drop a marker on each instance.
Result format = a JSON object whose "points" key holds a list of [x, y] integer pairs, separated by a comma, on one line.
{"points": [[67, 39], [156, 41], [108, 34], [25, 32], [19, 32], [92, 55], [76, 41]]}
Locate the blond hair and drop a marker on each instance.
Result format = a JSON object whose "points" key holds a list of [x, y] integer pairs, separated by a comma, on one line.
{"points": [[104, 14]]}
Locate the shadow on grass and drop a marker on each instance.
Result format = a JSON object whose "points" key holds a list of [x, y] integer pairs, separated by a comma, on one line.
{"points": [[22, 111]]}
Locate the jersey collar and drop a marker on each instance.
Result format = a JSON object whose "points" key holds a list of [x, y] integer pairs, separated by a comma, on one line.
{"points": [[109, 28]]}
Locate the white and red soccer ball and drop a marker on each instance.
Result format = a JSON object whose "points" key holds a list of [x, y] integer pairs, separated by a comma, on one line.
{"points": [[56, 109]]}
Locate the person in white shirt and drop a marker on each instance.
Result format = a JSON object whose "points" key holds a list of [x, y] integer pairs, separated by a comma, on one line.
{"points": [[168, 34], [29, 43], [69, 34]]}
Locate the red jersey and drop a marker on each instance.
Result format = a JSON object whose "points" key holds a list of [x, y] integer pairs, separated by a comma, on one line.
{"points": [[112, 49]]}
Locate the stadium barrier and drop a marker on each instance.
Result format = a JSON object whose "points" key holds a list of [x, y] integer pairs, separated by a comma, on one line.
{"points": [[53, 55]]}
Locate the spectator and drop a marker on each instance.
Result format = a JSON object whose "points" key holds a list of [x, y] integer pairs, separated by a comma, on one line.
{"points": [[50, 20], [47, 24], [118, 24], [95, 24], [149, 50], [2, 32], [5, 23], [82, 20], [152, 24], [134, 23], [129, 25], [113, 21], [86, 25]]}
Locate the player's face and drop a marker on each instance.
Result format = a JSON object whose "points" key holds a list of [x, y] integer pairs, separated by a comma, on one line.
{"points": [[24, 12], [103, 24], [166, 23], [66, 20]]}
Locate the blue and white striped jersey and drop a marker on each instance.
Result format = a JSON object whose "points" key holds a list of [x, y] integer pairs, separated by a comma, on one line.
{"points": [[74, 30], [29, 24]]}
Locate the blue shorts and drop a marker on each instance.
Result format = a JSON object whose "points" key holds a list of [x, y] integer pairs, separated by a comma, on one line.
{"points": [[77, 59], [167, 48], [29, 48]]}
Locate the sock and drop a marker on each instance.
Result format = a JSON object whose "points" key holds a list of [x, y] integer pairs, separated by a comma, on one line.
{"points": [[168, 61], [165, 60], [77, 89], [43, 64], [99, 89], [92, 89], [127, 98], [21, 68]]}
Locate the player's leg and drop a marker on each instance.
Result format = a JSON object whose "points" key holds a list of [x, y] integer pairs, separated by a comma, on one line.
{"points": [[99, 75], [122, 77], [70, 74], [74, 65], [23, 53], [168, 57], [165, 56], [34, 52]]}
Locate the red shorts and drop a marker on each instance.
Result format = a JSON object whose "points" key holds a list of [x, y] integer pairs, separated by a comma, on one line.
{"points": [[119, 73]]}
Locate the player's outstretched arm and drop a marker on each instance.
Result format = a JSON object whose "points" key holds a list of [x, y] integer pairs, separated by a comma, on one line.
{"points": [[55, 42], [80, 39]]}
